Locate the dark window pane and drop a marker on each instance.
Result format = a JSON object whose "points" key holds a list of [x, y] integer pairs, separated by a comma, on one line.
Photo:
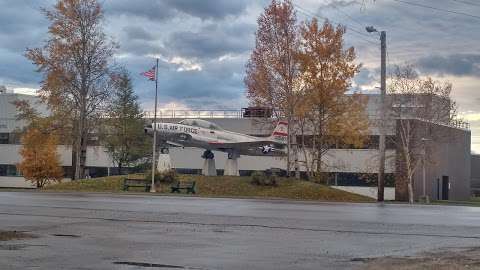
{"points": [[4, 138]]}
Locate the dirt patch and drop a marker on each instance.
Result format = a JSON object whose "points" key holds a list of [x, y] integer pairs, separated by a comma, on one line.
{"points": [[445, 260], [66, 235], [155, 265], [15, 235]]}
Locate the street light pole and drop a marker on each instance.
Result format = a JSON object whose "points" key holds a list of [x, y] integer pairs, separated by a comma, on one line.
{"points": [[381, 146]]}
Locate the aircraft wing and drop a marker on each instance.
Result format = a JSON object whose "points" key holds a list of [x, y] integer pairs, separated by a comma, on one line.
{"points": [[254, 148], [244, 144], [174, 144], [176, 140]]}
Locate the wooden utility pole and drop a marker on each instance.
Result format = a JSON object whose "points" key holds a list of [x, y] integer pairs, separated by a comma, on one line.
{"points": [[381, 148]]}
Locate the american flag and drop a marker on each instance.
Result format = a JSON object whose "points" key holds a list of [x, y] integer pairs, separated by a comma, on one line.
{"points": [[150, 74]]}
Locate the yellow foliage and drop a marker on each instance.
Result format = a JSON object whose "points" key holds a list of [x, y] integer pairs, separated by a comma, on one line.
{"points": [[327, 111], [40, 162]]}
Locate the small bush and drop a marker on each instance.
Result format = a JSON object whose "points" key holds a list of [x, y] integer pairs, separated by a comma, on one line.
{"points": [[261, 179], [167, 177], [323, 178]]}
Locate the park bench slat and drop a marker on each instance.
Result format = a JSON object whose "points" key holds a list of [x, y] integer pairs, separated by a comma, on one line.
{"points": [[189, 186], [132, 182]]}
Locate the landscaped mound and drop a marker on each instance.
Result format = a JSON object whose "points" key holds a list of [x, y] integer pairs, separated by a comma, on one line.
{"points": [[226, 186]]}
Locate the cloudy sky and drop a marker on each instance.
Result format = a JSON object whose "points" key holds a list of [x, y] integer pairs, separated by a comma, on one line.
{"points": [[203, 45]]}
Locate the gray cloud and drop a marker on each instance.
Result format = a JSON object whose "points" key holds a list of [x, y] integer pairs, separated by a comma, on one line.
{"points": [[15, 69], [454, 64], [135, 32], [141, 48], [21, 25], [209, 9], [217, 85], [162, 10], [366, 77], [339, 3], [212, 41], [203, 31], [151, 10]]}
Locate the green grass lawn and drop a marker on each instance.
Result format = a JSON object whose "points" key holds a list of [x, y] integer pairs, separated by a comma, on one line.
{"points": [[224, 186], [474, 201], [103, 184]]}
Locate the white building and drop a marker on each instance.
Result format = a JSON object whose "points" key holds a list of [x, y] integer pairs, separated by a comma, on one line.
{"points": [[10, 143], [447, 177]]}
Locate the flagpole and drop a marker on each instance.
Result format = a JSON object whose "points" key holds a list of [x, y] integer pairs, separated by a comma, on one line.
{"points": [[154, 169]]}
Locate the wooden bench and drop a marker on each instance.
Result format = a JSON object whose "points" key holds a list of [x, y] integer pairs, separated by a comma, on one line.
{"points": [[132, 182], [189, 186]]}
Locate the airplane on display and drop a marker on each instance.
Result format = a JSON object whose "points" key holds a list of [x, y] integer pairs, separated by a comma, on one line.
{"points": [[209, 136]]}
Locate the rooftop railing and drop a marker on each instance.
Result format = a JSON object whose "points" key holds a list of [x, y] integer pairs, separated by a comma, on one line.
{"points": [[195, 114]]}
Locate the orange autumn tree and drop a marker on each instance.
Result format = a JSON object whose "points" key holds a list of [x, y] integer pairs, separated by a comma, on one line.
{"points": [[76, 64], [330, 113], [304, 72], [271, 72], [40, 161]]}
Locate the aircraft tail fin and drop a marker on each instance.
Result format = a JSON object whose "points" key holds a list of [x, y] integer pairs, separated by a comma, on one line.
{"points": [[280, 133]]}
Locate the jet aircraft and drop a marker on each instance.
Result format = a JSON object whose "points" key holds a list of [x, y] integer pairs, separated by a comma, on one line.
{"points": [[209, 136]]}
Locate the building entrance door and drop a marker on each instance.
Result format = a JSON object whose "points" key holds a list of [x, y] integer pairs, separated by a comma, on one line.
{"points": [[445, 187], [438, 189]]}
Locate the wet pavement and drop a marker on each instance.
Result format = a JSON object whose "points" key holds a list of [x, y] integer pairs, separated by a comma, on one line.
{"points": [[114, 231]]}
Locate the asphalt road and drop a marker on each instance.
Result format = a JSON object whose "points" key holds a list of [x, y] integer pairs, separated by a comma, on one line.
{"points": [[105, 231]]}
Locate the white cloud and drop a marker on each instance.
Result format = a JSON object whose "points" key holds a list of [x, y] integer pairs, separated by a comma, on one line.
{"points": [[185, 64]]}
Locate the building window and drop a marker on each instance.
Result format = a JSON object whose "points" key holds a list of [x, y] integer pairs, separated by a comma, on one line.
{"points": [[371, 142], [363, 179], [15, 138], [8, 170], [4, 138]]}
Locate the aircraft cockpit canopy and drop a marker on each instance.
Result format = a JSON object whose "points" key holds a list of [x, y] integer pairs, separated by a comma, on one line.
{"points": [[200, 123]]}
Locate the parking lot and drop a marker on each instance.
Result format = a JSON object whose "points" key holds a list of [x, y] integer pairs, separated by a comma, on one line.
{"points": [[109, 231]]}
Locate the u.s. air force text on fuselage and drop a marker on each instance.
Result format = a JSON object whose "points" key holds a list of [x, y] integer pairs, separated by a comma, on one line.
{"points": [[176, 128]]}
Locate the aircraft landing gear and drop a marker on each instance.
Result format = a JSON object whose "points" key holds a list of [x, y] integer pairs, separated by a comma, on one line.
{"points": [[209, 168], [208, 154], [164, 150]]}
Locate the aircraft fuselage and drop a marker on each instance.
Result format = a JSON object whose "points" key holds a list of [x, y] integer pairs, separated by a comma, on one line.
{"points": [[214, 139]]}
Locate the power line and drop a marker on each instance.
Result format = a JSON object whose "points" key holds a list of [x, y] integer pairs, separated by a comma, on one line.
{"points": [[349, 26], [361, 35], [350, 17], [438, 9], [467, 3], [355, 32], [311, 14]]}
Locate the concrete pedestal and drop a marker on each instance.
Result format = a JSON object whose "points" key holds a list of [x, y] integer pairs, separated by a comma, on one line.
{"points": [[231, 165], [209, 168], [164, 163]]}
